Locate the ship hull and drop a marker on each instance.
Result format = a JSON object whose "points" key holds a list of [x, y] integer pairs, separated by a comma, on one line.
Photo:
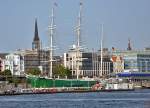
{"points": [[38, 82]]}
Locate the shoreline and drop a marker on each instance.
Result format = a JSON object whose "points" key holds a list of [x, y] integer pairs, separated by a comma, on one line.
{"points": [[71, 91]]}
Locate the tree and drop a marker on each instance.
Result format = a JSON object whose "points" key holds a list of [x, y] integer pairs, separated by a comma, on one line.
{"points": [[60, 70], [34, 71], [69, 73], [17, 80], [6, 73]]}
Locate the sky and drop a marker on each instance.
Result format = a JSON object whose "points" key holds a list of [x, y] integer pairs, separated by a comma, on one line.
{"points": [[122, 19]]}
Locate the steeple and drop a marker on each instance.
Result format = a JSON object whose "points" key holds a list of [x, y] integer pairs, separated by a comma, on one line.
{"points": [[129, 45], [36, 35], [36, 39]]}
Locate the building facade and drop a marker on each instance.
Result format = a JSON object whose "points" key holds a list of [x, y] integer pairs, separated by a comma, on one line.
{"points": [[2, 66], [38, 57], [135, 61], [15, 63], [87, 63], [35, 59], [2, 61], [118, 64]]}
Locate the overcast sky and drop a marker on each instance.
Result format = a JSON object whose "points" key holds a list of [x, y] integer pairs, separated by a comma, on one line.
{"points": [[122, 19]]}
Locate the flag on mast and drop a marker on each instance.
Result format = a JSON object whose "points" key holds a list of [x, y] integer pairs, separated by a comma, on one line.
{"points": [[81, 3], [55, 4]]}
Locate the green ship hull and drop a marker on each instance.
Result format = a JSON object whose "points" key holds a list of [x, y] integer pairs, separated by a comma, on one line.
{"points": [[38, 82]]}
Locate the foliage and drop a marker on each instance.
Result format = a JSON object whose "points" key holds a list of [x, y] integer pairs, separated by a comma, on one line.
{"points": [[60, 70], [16, 80], [6, 73], [69, 73], [34, 71]]}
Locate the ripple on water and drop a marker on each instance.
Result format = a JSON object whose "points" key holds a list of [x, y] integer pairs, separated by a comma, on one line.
{"points": [[84, 100]]}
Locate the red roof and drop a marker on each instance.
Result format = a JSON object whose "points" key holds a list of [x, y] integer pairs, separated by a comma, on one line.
{"points": [[116, 58]]}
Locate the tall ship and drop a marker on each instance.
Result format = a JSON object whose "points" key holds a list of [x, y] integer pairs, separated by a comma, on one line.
{"points": [[49, 81]]}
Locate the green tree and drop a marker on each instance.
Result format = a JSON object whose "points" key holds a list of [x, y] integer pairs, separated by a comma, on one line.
{"points": [[17, 80], [60, 70], [6, 73], [68, 72], [34, 71], [9, 77]]}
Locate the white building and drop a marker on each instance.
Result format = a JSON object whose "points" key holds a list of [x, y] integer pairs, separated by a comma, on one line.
{"points": [[2, 66], [2, 61], [15, 63], [86, 63], [118, 64]]}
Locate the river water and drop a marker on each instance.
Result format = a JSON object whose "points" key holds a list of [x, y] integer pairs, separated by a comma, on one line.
{"points": [[124, 99]]}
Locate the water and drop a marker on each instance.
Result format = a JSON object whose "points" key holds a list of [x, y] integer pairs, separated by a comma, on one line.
{"points": [[124, 99]]}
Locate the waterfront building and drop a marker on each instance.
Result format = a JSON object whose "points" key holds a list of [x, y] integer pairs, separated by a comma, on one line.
{"points": [[2, 61], [107, 66], [82, 61], [135, 61], [38, 57], [118, 63], [89, 63], [34, 59], [15, 63], [1, 64], [136, 66], [20, 61]]}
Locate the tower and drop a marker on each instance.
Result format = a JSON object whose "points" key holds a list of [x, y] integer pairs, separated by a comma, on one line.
{"points": [[129, 45], [36, 39]]}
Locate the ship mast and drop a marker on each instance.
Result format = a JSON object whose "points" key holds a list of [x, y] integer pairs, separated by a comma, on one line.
{"points": [[79, 26], [101, 52], [78, 29], [51, 30]]}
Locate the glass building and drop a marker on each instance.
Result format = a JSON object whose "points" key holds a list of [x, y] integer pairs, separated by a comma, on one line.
{"points": [[88, 63], [135, 61]]}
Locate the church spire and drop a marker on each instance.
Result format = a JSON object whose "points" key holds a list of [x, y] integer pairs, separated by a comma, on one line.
{"points": [[129, 45], [36, 39], [36, 35]]}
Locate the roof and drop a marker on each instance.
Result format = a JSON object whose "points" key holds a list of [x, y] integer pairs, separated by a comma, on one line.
{"points": [[2, 55], [36, 35], [116, 58], [134, 74]]}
